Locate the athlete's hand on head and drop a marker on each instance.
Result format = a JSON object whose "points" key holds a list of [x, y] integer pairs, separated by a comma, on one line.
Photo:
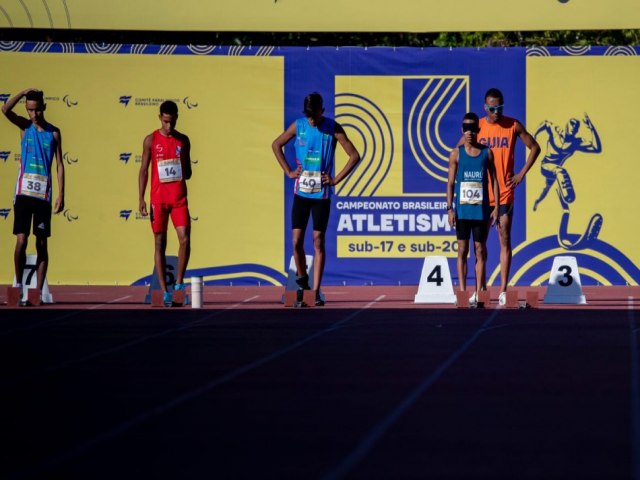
{"points": [[143, 208], [295, 173]]}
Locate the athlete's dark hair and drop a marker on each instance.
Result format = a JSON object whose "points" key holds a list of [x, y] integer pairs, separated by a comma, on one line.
{"points": [[313, 103], [494, 93], [169, 107], [471, 116], [36, 96]]}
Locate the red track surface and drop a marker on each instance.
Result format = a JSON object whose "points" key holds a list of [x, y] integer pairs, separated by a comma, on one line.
{"points": [[220, 297]]}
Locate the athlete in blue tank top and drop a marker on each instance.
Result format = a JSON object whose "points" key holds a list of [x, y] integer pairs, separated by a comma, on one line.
{"points": [[316, 138], [315, 152], [470, 167], [41, 142]]}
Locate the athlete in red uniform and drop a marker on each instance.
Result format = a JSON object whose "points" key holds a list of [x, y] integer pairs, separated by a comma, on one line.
{"points": [[167, 151]]}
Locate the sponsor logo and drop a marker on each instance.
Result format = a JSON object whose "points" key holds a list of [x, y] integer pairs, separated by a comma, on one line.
{"points": [[125, 214], [41, 226], [69, 102], [4, 212], [187, 101], [193, 219], [190, 103], [125, 156], [70, 216], [67, 158], [4, 155], [4, 97]]}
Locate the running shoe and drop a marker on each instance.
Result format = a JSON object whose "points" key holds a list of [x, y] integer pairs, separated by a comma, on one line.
{"points": [[502, 298]]}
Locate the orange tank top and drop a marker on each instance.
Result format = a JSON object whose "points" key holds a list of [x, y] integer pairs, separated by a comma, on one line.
{"points": [[501, 138]]}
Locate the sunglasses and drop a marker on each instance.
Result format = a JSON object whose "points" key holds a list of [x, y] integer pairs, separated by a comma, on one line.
{"points": [[470, 127], [497, 108]]}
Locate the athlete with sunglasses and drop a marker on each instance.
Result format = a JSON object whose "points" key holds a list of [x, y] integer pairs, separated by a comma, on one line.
{"points": [[500, 133]]}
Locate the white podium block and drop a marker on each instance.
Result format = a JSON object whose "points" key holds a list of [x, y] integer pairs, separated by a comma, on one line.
{"points": [[564, 282], [291, 277], [30, 280], [435, 282]]}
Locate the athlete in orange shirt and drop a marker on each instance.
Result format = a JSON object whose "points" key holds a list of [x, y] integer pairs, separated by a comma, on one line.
{"points": [[500, 133]]}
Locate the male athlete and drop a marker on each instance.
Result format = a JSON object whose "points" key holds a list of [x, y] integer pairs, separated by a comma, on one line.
{"points": [[167, 151], [470, 168], [500, 133], [315, 145], [40, 143]]}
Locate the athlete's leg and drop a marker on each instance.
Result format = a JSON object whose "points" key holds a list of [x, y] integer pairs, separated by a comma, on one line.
{"points": [[463, 253], [20, 255], [481, 265], [300, 213], [41, 230], [22, 214], [42, 262], [320, 212], [504, 230], [182, 223], [160, 259], [184, 251], [319, 260]]}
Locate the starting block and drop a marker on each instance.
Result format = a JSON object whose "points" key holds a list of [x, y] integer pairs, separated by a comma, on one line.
{"points": [[291, 298], [30, 280], [462, 299], [178, 298], [34, 297], [532, 299], [564, 282], [435, 282], [13, 296], [512, 299], [157, 299], [484, 297]]}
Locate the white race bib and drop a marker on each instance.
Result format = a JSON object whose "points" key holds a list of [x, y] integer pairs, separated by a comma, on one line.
{"points": [[34, 185], [470, 193], [310, 182], [169, 170]]}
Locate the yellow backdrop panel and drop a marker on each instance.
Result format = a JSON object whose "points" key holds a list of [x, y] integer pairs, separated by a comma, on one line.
{"points": [[330, 15], [231, 108], [605, 88]]}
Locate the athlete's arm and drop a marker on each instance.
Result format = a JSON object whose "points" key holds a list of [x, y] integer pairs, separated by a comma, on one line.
{"points": [[13, 117], [491, 166], [185, 157], [59, 204], [595, 146], [277, 146], [451, 181], [143, 176], [534, 151], [354, 157]]}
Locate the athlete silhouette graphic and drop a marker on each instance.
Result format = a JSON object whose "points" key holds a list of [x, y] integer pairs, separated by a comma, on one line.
{"points": [[561, 145]]}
